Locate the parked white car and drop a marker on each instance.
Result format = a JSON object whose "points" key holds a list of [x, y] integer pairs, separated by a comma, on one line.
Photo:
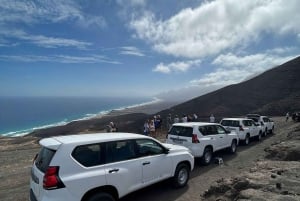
{"points": [[104, 166], [266, 123], [202, 138], [245, 128]]}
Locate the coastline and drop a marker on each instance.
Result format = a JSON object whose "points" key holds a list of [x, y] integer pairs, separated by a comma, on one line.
{"points": [[150, 107], [129, 119]]}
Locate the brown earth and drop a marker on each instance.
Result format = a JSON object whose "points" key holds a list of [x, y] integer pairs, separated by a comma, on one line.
{"points": [[247, 175]]}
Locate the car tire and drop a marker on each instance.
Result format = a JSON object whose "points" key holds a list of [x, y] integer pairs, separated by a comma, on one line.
{"points": [[247, 139], [233, 147], [266, 132], [182, 175], [101, 197], [272, 130], [207, 156], [259, 136]]}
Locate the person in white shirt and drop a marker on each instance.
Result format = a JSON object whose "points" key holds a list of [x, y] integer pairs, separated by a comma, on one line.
{"points": [[212, 118]]}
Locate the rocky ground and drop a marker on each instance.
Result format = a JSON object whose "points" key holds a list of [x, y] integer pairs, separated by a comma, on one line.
{"points": [[276, 178], [266, 170]]}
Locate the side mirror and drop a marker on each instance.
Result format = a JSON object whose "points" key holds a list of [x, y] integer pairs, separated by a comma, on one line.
{"points": [[227, 131], [166, 151]]}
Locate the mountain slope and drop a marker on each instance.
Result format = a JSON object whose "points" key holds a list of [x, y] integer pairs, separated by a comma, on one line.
{"points": [[273, 92]]}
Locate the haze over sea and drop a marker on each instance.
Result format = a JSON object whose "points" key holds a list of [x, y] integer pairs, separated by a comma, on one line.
{"points": [[21, 115]]}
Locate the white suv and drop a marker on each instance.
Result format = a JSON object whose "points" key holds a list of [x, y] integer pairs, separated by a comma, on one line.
{"points": [[202, 138], [104, 166], [266, 123], [245, 128]]}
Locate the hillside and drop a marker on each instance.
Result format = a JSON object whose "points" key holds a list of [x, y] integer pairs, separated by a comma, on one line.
{"points": [[273, 92]]}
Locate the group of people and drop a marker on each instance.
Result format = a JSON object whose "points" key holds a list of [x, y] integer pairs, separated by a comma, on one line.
{"points": [[153, 126]]}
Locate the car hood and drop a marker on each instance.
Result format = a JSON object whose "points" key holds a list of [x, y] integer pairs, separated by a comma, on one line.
{"points": [[175, 148]]}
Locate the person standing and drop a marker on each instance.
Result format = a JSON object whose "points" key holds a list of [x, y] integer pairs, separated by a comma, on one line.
{"points": [[146, 127], [152, 128], [169, 122], [212, 118], [176, 119], [287, 116]]}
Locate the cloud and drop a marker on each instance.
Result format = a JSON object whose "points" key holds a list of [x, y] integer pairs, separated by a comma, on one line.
{"points": [[217, 26], [180, 66], [28, 11], [44, 41], [129, 50], [66, 59], [232, 69]]}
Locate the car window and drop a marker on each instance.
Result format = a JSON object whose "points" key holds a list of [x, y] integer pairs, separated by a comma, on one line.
{"points": [[181, 131], [208, 130], [147, 147], [247, 123], [220, 130], [265, 119], [44, 158], [88, 155], [231, 123], [120, 150]]}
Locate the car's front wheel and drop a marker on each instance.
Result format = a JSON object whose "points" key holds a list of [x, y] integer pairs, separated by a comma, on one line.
{"points": [[247, 139], [101, 197], [259, 136], [233, 147], [182, 175]]}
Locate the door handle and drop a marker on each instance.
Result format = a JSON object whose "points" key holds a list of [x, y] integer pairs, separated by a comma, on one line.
{"points": [[146, 163], [113, 170]]}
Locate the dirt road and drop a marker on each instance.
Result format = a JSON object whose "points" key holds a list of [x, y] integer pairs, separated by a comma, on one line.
{"points": [[16, 157]]}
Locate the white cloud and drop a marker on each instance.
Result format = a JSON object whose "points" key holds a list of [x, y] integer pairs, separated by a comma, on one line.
{"points": [[216, 26], [129, 50], [180, 66], [44, 41], [233, 69], [92, 59], [28, 11]]}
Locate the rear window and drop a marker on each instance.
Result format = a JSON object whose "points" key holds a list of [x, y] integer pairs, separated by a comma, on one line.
{"points": [[231, 123], [88, 155], [247, 123], [44, 158], [181, 131]]}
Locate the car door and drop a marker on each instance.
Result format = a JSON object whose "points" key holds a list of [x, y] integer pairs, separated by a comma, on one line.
{"points": [[123, 168], [155, 161], [223, 137], [214, 139]]}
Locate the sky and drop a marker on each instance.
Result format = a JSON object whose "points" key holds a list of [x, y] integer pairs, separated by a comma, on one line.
{"points": [[141, 47]]}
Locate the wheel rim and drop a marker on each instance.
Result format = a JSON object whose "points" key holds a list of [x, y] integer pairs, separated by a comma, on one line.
{"points": [[233, 147], [182, 176], [247, 140], [207, 157]]}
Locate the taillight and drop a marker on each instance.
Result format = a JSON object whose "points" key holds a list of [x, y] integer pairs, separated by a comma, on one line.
{"points": [[195, 139], [51, 179], [241, 128]]}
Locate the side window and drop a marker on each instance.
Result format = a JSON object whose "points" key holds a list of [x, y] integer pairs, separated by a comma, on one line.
{"points": [[88, 155], [210, 130], [148, 147], [120, 151], [220, 130]]}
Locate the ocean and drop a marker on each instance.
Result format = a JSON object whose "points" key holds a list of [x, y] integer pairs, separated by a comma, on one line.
{"points": [[21, 115]]}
